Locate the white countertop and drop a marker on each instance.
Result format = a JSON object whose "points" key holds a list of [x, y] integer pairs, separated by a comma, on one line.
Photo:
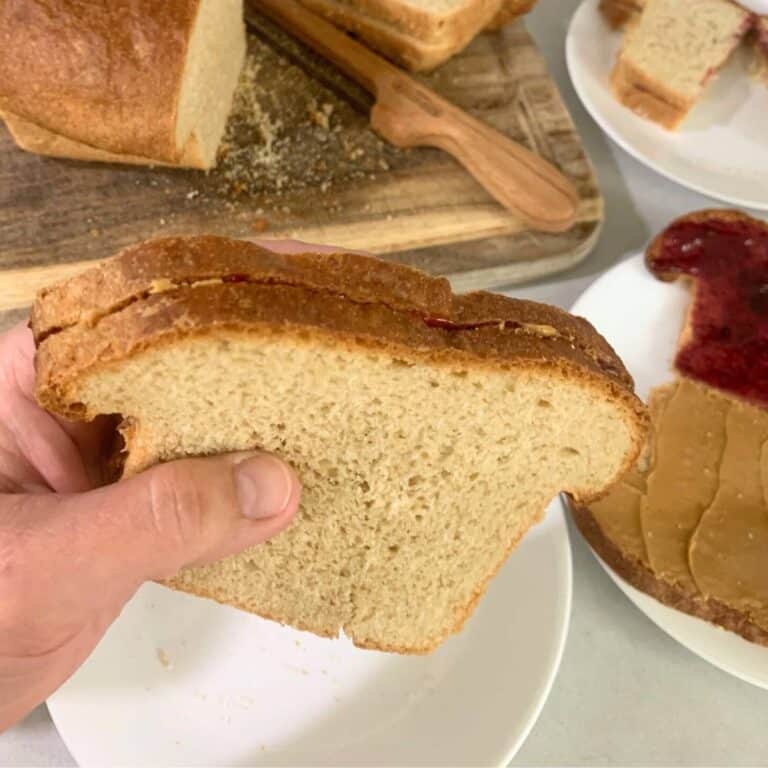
{"points": [[626, 694]]}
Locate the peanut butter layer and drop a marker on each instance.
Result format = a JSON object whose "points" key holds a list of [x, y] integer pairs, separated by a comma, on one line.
{"points": [[618, 515], [690, 439], [729, 549]]}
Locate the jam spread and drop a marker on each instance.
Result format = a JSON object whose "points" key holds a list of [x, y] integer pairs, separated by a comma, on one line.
{"points": [[235, 278], [727, 346]]}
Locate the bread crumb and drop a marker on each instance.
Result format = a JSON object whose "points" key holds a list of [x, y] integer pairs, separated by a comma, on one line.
{"points": [[288, 131], [163, 658], [95, 232], [260, 225]]}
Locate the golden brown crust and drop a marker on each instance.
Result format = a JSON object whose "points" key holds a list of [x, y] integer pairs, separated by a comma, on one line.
{"points": [[155, 265], [101, 74], [645, 97], [307, 313], [173, 266], [33, 138], [641, 577], [107, 314]]}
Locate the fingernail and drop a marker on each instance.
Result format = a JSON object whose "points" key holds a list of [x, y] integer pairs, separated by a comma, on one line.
{"points": [[264, 486]]}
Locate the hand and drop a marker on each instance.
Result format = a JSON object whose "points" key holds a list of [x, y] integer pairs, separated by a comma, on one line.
{"points": [[71, 555]]}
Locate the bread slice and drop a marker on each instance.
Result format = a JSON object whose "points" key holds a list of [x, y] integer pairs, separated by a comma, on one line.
{"points": [[671, 53], [133, 82], [416, 35], [429, 430]]}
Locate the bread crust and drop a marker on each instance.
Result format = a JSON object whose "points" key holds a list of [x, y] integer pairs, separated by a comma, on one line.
{"points": [[104, 75], [640, 576], [646, 98], [343, 299], [163, 263], [312, 316], [39, 141], [169, 265]]}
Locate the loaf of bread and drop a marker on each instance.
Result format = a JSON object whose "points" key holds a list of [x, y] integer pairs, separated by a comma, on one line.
{"points": [[670, 54], [134, 81], [429, 431], [419, 34]]}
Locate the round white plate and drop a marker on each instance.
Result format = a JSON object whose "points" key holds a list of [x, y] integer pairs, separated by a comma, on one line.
{"points": [[642, 317], [722, 147], [180, 680]]}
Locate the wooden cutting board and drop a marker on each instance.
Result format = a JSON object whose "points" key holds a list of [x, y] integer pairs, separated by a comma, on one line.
{"points": [[300, 161]]}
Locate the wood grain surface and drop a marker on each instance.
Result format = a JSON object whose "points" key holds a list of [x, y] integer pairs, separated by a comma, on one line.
{"points": [[416, 206]]}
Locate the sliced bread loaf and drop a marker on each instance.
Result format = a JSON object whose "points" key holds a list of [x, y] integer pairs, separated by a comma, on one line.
{"points": [[419, 34], [672, 51], [125, 81], [429, 430]]}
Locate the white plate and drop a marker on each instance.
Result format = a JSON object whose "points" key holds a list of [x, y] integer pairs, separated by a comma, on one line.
{"points": [[642, 317], [722, 147], [179, 680]]}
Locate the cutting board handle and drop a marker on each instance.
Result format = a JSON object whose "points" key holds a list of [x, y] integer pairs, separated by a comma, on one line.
{"points": [[410, 115]]}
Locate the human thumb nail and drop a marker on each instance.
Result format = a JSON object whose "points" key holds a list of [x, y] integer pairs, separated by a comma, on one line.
{"points": [[264, 486]]}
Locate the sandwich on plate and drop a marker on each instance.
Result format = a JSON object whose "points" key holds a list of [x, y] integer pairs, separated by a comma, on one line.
{"points": [[429, 430]]}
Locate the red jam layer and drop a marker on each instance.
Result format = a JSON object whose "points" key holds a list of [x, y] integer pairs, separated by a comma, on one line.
{"points": [[728, 343]]}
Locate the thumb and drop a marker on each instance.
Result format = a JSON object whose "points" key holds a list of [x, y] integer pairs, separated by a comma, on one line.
{"points": [[150, 526]]}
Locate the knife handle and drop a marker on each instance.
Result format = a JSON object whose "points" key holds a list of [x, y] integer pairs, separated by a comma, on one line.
{"points": [[410, 115]]}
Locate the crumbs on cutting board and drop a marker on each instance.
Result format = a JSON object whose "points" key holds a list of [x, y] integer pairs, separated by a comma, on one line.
{"points": [[288, 132]]}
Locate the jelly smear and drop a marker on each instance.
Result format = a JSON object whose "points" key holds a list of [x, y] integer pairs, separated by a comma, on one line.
{"points": [[727, 346]]}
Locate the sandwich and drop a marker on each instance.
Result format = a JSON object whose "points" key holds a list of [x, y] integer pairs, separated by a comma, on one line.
{"points": [[670, 54], [429, 430], [689, 524]]}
